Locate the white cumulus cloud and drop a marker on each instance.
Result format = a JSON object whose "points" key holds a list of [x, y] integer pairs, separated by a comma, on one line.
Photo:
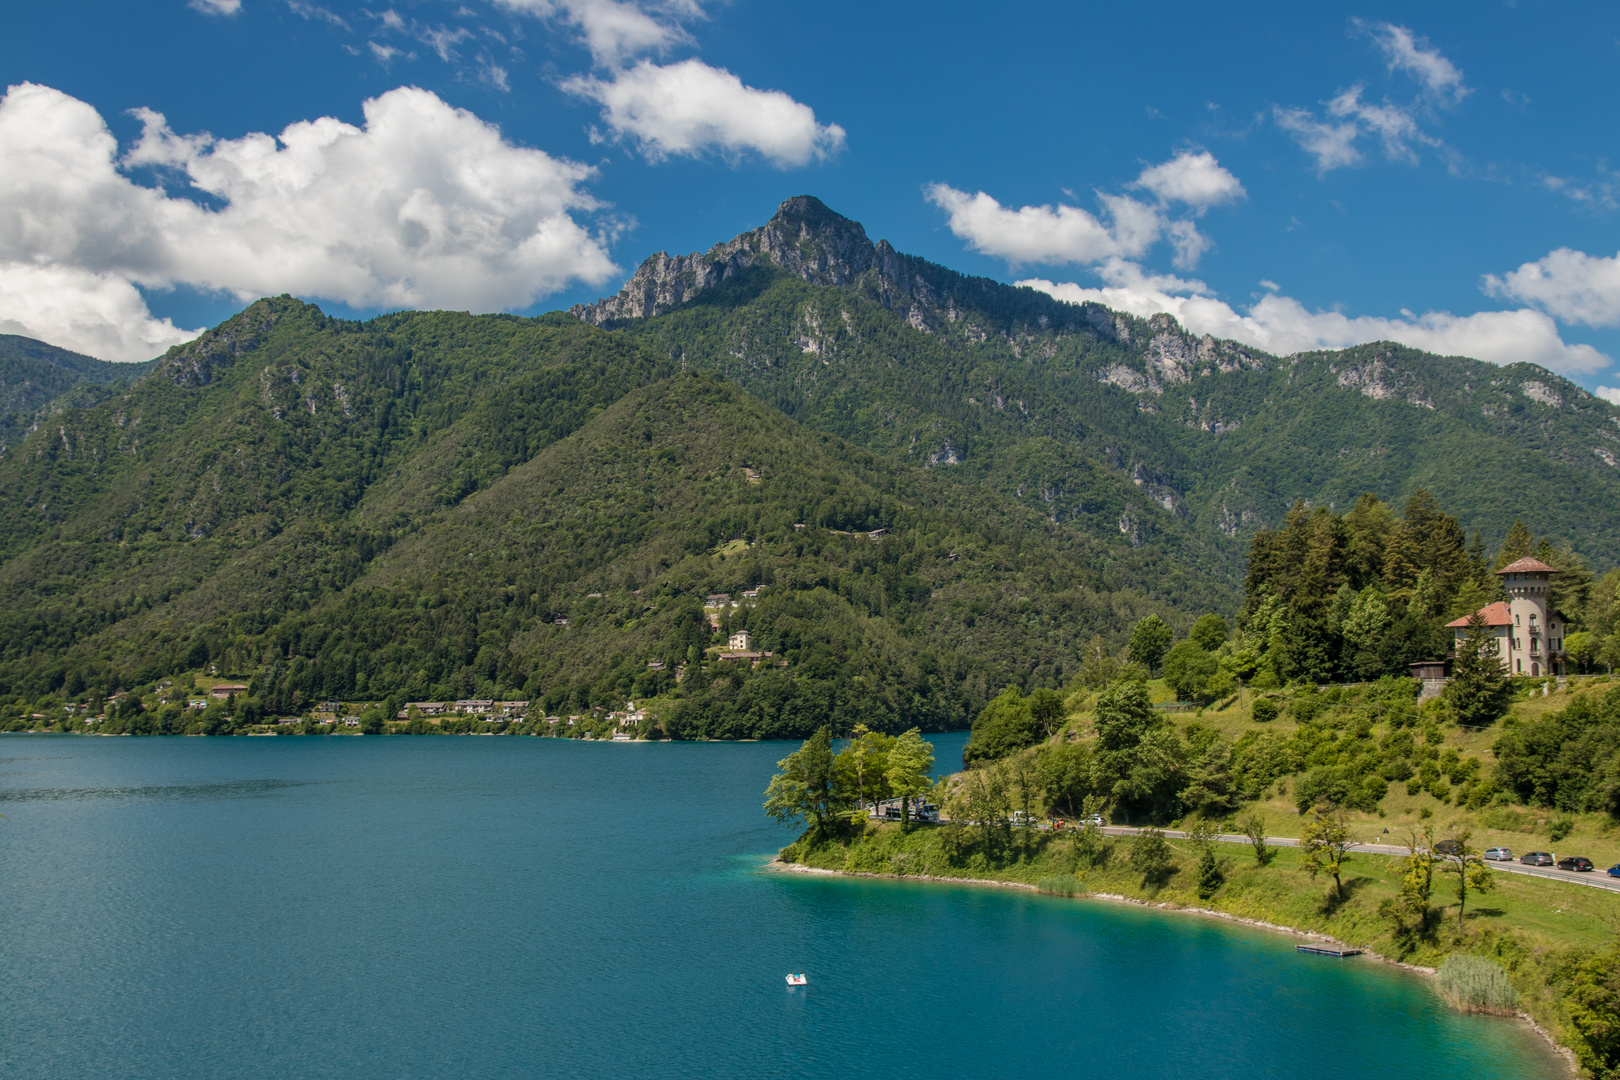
{"points": [[216, 7], [1126, 229], [1611, 394], [689, 108], [1282, 325], [96, 314], [1571, 285], [1196, 179], [424, 206]]}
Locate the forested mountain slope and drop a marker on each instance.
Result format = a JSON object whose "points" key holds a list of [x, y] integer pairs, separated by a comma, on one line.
{"points": [[1090, 415], [34, 374], [403, 507]]}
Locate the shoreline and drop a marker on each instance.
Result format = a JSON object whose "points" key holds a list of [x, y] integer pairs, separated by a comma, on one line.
{"points": [[1562, 1052]]}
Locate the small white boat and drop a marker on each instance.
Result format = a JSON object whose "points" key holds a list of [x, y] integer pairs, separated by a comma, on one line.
{"points": [[797, 980]]}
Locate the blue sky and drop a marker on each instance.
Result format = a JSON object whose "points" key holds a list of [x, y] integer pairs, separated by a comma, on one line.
{"points": [[1291, 175]]}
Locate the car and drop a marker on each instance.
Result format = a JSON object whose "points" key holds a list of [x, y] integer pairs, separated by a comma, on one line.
{"points": [[1614, 871], [1499, 854], [1575, 862], [1094, 819], [1448, 847], [1537, 858]]}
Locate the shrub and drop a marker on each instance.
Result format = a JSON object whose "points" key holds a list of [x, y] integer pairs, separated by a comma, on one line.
{"points": [[1152, 858], [1474, 984], [1265, 710], [1064, 885], [1561, 827]]}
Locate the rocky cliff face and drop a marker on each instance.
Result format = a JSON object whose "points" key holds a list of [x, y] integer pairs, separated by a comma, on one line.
{"points": [[804, 238]]}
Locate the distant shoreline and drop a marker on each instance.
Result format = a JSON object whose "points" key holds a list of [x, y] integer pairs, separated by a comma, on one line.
{"points": [[776, 865]]}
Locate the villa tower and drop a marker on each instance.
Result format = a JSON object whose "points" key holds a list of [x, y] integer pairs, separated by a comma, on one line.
{"points": [[1529, 631]]}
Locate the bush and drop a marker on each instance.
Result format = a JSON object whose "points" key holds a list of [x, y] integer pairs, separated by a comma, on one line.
{"points": [[1265, 710], [1474, 984], [1561, 827], [1152, 858]]}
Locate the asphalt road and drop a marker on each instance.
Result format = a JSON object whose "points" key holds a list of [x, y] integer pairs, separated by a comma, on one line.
{"points": [[1596, 879]]}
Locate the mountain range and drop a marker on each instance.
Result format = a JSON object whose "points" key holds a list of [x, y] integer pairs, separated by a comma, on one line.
{"points": [[405, 507]]}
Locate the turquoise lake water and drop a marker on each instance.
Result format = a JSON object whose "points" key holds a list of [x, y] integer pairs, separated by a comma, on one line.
{"points": [[415, 908]]}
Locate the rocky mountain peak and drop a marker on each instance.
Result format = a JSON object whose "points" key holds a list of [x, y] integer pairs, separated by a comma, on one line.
{"points": [[804, 238], [197, 362]]}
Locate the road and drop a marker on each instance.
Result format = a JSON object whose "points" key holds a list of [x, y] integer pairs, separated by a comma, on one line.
{"points": [[1596, 879]]}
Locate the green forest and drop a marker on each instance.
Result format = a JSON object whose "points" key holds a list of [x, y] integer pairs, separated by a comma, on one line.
{"points": [[430, 494], [940, 486]]}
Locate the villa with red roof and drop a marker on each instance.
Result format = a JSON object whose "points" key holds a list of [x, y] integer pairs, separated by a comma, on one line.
{"points": [[1529, 632]]}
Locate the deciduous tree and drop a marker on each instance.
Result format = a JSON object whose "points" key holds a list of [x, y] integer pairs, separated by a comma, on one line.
{"points": [[911, 760], [1150, 640], [805, 786], [1326, 842]]}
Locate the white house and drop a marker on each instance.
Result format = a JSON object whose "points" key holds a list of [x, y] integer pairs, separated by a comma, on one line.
{"points": [[741, 641]]}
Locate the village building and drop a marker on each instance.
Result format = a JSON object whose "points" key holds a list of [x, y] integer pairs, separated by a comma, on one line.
{"points": [[1528, 630], [225, 690], [741, 640]]}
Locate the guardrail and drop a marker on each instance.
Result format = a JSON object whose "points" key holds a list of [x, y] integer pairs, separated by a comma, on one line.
{"points": [[1597, 880]]}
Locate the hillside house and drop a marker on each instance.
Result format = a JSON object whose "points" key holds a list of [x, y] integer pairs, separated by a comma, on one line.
{"points": [[741, 640], [226, 689], [1529, 632]]}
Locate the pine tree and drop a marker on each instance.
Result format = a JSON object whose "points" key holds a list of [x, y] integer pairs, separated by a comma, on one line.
{"points": [[1478, 691], [1515, 546], [1210, 878]]}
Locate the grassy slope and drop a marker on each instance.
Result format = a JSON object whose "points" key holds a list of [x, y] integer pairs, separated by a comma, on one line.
{"points": [[1520, 828]]}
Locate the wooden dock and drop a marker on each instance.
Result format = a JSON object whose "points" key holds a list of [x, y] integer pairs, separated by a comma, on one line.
{"points": [[1327, 950]]}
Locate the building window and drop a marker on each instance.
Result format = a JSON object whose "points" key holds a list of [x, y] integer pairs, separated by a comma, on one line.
{"points": [[1515, 620], [1518, 666]]}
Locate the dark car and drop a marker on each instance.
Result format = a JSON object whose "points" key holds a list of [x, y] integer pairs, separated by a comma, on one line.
{"points": [[1537, 858], [1448, 847], [1575, 862]]}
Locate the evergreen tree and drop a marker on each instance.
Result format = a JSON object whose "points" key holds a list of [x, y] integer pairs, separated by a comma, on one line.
{"points": [[1210, 878], [1516, 545], [1478, 691]]}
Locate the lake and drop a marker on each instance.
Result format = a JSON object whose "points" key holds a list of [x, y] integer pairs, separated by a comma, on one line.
{"points": [[435, 907]]}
